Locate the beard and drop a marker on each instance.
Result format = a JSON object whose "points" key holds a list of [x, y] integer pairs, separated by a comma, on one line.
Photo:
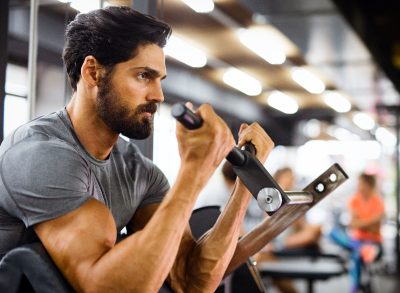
{"points": [[119, 117]]}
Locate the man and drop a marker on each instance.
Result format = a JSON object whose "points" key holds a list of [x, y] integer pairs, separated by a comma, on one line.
{"points": [[69, 179]]}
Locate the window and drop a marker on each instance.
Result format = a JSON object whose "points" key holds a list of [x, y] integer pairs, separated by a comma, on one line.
{"points": [[16, 111]]}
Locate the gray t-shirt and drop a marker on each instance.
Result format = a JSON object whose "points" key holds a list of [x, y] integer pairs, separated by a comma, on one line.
{"points": [[45, 172]]}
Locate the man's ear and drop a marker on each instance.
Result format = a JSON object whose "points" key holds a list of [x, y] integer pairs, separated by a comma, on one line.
{"points": [[90, 71]]}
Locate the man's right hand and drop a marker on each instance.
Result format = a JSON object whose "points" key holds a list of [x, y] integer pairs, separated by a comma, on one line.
{"points": [[204, 148]]}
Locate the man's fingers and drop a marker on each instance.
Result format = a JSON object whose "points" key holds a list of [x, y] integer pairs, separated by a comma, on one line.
{"points": [[242, 127], [189, 105], [255, 134]]}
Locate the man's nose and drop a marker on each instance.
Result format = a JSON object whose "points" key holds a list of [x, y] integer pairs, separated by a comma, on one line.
{"points": [[156, 93]]}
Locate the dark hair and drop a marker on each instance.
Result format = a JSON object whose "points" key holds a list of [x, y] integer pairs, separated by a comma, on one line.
{"points": [[227, 172], [369, 179], [112, 35]]}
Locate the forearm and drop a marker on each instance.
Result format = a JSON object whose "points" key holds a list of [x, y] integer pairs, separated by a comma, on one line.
{"points": [[149, 254], [212, 254]]}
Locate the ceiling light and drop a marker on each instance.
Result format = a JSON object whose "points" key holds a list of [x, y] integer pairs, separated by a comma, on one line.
{"points": [[337, 102], [242, 82], [312, 128], [200, 6], [282, 102], [185, 53], [307, 80], [342, 134], [385, 137], [363, 121], [265, 43]]}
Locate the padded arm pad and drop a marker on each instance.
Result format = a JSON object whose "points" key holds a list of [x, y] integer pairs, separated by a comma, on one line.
{"points": [[32, 262]]}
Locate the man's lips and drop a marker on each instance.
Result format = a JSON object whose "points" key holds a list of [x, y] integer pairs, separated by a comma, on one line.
{"points": [[148, 109], [148, 114]]}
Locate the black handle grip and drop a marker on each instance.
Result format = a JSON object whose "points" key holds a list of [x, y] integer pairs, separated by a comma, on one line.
{"points": [[187, 117], [236, 157], [191, 121]]}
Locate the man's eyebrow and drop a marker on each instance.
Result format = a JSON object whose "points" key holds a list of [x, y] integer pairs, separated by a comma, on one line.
{"points": [[154, 73]]}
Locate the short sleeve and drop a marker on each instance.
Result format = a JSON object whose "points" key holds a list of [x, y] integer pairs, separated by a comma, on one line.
{"points": [[352, 204], [157, 186], [43, 178]]}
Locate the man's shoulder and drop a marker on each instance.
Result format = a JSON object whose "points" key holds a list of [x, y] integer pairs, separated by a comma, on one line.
{"points": [[45, 135], [48, 126]]}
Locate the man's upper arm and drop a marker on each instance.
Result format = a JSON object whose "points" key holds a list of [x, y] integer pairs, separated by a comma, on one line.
{"points": [[76, 240], [42, 178]]}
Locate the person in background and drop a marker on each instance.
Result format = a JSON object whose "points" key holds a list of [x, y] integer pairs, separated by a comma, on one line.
{"points": [[299, 237], [302, 234], [364, 239]]}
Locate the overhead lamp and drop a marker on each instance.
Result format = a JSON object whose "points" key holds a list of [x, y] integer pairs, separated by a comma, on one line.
{"points": [[242, 82], [185, 52], [342, 134], [282, 102], [200, 6], [337, 102], [265, 43], [363, 121], [307, 80], [385, 137]]}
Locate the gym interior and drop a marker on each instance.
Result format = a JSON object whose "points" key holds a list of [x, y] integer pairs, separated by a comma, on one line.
{"points": [[321, 77]]}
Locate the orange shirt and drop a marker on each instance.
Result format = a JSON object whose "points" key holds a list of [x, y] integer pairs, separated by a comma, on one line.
{"points": [[366, 209]]}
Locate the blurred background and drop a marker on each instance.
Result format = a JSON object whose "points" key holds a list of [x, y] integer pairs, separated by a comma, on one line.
{"points": [[322, 77]]}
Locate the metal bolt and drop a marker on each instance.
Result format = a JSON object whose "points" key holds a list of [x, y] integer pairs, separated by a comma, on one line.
{"points": [[269, 199], [333, 177], [320, 187]]}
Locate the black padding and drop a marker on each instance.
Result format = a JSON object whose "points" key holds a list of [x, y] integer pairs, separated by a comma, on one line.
{"points": [[29, 268], [203, 219]]}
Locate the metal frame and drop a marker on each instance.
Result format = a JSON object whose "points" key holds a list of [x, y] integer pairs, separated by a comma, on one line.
{"points": [[4, 12]]}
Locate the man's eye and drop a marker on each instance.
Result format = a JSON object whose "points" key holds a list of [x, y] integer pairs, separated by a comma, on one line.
{"points": [[143, 75]]}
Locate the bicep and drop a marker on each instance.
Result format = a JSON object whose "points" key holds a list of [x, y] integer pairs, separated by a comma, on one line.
{"points": [[76, 240]]}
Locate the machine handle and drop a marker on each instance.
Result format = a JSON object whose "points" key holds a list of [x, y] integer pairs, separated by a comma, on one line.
{"points": [[190, 120]]}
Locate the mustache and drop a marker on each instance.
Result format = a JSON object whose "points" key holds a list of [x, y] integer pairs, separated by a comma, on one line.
{"points": [[149, 107]]}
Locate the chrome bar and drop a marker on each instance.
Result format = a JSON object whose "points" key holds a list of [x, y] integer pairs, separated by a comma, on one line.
{"points": [[299, 197], [32, 59]]}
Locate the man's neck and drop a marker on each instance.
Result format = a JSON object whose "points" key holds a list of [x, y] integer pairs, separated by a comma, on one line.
{"points": [[95, 136]]}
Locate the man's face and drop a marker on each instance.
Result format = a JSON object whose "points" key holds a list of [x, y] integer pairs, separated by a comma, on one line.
{"points": [[128, 95]]}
